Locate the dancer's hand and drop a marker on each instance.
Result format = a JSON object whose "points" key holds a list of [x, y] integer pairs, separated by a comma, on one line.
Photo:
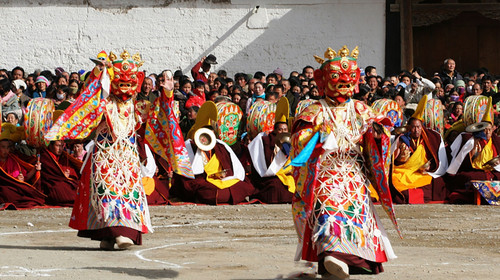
{"points": [[168, 80]]}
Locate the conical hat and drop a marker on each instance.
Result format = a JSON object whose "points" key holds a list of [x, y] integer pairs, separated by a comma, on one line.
{"points": [[419, 112], [206, 116], [282, 110], [487, 113]]}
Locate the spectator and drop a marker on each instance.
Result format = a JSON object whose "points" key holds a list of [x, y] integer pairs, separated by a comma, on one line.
{"points": [[147, 92], [41, 84], [308, 72], [18, 73], [449, 74], [370, 71], [204, 65]]}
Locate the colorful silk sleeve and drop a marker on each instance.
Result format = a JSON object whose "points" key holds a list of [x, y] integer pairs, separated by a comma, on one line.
{"points": [[84, 115], [164, 135], [378, 161]]}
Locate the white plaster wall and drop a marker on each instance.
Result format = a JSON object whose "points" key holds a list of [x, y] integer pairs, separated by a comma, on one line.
{"points": [[52, 33]]}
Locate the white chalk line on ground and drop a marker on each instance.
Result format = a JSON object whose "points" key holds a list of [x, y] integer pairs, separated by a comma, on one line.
{"points": [[19, 271], [164, 226], [139, 254]]}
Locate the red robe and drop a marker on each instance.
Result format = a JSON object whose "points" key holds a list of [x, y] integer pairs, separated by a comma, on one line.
{"points": [[459, 186], [60, 190], [436, 190], [15, 193], [202, 191], [270, 189]]}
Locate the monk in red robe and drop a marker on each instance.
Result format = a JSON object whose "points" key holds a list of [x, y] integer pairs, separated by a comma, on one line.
{"points": [[219, 175], [272, 182], [213, 189], [60, 174], [18, 180]]}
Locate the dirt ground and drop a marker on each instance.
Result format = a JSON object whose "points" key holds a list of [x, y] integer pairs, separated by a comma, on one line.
{"points": [[244, 242]]}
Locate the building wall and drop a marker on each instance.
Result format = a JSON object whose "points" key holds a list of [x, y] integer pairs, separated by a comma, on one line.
{"points": [[175, 34]]}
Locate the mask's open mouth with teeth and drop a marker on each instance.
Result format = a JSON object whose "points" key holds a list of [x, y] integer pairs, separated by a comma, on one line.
{"points": [[124, 86], [343, 88]]}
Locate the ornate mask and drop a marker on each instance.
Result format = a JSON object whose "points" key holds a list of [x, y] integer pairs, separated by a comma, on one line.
{"points": [[126, 80], [228, 122], [338, 75]]}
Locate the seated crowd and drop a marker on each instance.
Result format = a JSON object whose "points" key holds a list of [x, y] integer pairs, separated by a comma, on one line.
{"points": [[427, 165]]}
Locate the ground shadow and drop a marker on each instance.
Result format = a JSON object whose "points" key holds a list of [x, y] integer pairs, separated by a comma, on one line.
{"points": [[49, 248], [146, 273]]}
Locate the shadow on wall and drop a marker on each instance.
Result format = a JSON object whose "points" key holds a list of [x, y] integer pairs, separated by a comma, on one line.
{"points": [[124, 5], [284, 42]]}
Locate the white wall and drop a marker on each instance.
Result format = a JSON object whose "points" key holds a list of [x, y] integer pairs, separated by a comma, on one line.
{"points": [[177, 34]]}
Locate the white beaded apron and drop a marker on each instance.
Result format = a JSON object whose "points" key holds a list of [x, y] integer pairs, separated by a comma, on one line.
{"points": [[117, 196], [343, 219]]}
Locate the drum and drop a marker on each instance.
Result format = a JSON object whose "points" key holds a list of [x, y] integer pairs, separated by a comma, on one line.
{"points": [[389, 108], [433, 115], [228, 121], [474, 109], [38, 121], [261, 118]]}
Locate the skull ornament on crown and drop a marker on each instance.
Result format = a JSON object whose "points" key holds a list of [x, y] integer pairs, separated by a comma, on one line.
{"points": [[339, 74], [126, 80]]}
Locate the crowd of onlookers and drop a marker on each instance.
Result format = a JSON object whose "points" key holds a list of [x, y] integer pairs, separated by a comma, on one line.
{"points": [[407, 88]]}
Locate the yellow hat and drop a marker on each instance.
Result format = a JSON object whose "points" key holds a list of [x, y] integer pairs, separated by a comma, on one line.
{"points": [[487, 112], [282, 110], [207, 115], [419, 112], [12, 132]]}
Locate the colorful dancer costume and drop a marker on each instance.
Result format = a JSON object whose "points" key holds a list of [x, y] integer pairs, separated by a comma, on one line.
{"points": [[111, 203], [339, 147]]}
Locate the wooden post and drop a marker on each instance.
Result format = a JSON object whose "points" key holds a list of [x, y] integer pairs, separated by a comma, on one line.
{"points": [[406, 34]]}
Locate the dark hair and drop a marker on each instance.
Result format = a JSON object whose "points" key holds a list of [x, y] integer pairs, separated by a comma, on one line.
{"points": [[272, 75], [194, 108], [371, 77], [198, 84], [73, 81], [65, 89], [269, 94], [304, 69], [293, 74], [15, 115], [182, 83], [241, 75], [223, 86], [6, 85], [211, 93], [487, 78], [280, 85], [221, 80], [368, 69], [18, 68], [237, 87], [222, 73], [258, 75], [229, 80], [47, 74], [420, 71], [58, 78]]}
